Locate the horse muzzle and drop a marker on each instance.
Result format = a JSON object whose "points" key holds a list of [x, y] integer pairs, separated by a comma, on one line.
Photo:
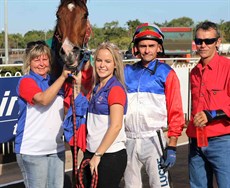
{"points": [[70, 54], [74, 57]]}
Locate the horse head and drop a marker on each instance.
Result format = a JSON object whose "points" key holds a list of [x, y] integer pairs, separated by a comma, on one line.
{"points": [[71, 35]]}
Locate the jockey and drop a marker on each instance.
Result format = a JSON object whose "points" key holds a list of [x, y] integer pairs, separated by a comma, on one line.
{"points": [[154, 103]]}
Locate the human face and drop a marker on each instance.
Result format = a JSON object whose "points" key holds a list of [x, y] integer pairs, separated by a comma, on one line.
{"points": [[104, 65], [40, 65], [148, 50], [207, 51]]}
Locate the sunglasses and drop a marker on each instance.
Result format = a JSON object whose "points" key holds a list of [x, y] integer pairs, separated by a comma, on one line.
{"points": [[35, 43], [206, 41]]}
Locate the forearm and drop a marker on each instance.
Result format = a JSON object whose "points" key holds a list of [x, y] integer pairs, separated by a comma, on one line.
{"points": [[172, 141], [46, 97], [215, 115], [108, 139]]}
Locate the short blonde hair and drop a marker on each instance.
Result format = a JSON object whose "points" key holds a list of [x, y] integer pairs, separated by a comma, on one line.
{"points": [[117, 58], [33, 50]]}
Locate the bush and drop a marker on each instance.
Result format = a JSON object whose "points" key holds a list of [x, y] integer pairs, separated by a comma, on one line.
{"points": [[10, 71]]}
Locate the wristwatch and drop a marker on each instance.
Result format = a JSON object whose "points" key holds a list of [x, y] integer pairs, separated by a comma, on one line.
{"points": [[98, 154]]}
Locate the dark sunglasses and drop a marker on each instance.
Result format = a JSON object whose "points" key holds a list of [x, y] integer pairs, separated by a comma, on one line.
{"points": [[35, 43], [206, 41]]}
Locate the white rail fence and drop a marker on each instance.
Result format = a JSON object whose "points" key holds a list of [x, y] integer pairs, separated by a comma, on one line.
{"points": [[182, 70]]}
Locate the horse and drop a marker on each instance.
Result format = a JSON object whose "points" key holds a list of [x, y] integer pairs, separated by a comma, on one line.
{"points": [[69, 47], [69, 43], [71, 35]]}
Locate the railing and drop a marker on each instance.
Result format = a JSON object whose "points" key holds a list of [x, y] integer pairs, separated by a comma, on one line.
{"points": [[182, 66]]}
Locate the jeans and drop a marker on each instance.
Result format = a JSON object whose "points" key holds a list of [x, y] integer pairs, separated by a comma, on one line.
{"points": [[42, 171], [208, 161]]}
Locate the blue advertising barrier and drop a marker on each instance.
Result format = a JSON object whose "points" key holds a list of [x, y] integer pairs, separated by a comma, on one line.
{"points": [[8, 108]]}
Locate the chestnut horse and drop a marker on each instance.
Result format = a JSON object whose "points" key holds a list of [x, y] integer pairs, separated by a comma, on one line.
{"points": [[69, 43], [69, 47], [71, 35]]}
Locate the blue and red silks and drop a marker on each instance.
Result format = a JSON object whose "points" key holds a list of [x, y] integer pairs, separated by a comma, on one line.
{"points": [[81, 106]]}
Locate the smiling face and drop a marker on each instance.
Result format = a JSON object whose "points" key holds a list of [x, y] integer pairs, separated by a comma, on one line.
{"points": [[207, 51], [104, 65], [148, 50], [40, 65]]}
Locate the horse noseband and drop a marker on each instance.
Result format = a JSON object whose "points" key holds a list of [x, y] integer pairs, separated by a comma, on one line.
{"points": [[72, 58], [83, 55]]}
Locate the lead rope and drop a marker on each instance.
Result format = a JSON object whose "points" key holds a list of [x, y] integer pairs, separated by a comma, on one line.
{"points": [[76, 182], [81, 175]]}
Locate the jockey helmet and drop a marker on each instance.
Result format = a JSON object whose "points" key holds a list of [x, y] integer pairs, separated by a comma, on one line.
{"points": [[147, 31]]}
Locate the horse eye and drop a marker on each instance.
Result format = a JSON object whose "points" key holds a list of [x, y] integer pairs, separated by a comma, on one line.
{"points": [[86, 16]]}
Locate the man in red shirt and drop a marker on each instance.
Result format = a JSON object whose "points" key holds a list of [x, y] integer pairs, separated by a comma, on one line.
{"points": [[209, 126]]}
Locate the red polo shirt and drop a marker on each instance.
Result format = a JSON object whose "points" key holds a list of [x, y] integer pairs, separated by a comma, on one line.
{"points": [[210, 89]]}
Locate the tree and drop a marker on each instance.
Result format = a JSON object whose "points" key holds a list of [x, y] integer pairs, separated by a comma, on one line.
{"points": [[225, 32], [15, 40], [96, 37], [181, 22], [111, 31], [132, 26]]}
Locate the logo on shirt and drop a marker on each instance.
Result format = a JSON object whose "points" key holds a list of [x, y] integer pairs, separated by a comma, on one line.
{"points": [[100, 99]]}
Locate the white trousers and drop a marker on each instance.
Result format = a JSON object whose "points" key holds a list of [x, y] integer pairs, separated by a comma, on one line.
{"points": [[147, 152]]}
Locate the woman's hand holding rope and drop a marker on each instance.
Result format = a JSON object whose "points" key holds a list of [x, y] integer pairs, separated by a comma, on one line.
{"points": [[94, 162]]}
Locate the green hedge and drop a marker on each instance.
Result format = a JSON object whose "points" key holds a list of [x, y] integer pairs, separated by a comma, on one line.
{"points": [[11, 70]]}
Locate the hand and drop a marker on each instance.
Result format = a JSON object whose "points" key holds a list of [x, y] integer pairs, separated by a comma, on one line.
{"points": [[169, 158], [65, 72], [200, 119], [94, 162], [77, 78]]}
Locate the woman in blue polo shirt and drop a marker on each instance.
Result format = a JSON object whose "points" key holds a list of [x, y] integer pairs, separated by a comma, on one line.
{"points": [[105, 120], [39, 146]]}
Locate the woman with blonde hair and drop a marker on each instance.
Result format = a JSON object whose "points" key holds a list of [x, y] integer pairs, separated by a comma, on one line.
{"points": [[105, 120], [39, 145]]}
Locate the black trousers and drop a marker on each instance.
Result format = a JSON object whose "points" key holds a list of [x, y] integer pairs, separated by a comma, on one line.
{"points": [[110, 169]]}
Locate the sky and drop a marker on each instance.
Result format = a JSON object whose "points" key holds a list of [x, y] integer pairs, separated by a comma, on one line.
{"points": [[28, 15]]}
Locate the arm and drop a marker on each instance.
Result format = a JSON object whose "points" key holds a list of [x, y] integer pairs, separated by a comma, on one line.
{"points": [[207, 116], [117, 103], [47, 96], [116, 119], [176, 119]]}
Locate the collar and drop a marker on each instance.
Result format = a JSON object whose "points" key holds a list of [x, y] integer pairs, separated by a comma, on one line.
{"points": [[39, 77], [150, 65], [212, 64], [106, 86]]}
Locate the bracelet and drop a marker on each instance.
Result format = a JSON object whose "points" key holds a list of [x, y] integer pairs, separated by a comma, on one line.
{"points": [[98, 154]]}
